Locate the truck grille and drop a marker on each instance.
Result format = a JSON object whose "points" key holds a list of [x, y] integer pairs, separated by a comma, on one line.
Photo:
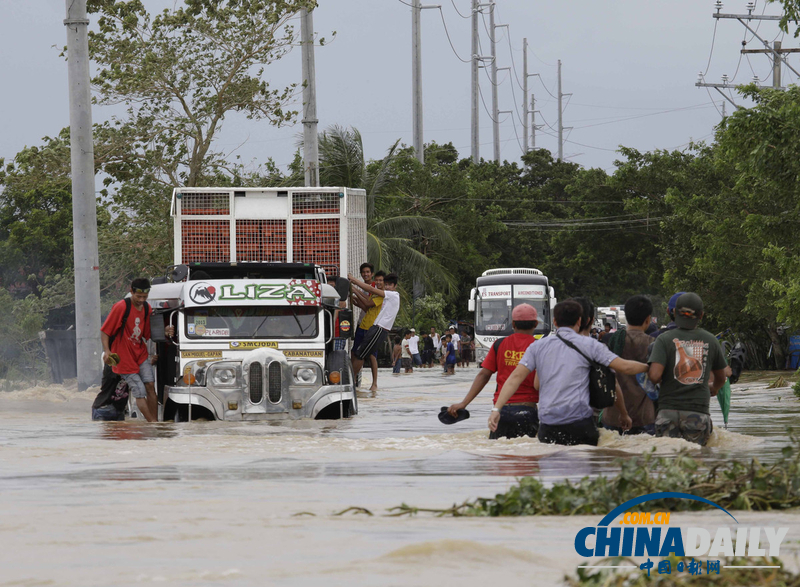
{"points": [[256, 383], [275, 382]]}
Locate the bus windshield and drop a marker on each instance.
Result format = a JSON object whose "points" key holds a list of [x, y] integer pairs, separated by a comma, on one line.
{"points": [[493, 316], [251, 322]]}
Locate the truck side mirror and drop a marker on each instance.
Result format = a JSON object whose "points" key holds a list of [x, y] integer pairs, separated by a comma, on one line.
{"points": [[157, 327], [342, 285], [471, 305]]}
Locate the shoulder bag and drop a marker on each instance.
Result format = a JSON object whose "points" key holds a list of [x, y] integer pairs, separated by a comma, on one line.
{"points": [[602, 382]]}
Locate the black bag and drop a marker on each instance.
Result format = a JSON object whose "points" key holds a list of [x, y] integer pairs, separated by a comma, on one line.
{"points": [[108, 386], [602, 382]]}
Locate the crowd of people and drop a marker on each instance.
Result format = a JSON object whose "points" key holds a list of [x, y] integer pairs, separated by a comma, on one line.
{"points": [[664, 378], [543, 386], [448, 350]]}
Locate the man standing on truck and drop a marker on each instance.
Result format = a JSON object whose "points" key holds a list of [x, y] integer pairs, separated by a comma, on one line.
{"points": [[383, 323], [371, 306], [124, 335]]}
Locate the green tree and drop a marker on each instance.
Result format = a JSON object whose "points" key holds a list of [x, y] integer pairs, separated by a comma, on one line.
{"points": [[180, 73], [35, 215], [403, 240]]}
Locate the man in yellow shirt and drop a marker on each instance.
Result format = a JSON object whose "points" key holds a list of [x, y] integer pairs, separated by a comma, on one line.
{"points": [[371, 305]]}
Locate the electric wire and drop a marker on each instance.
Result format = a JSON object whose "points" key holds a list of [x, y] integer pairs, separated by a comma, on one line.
{"points": [[615, 120], [449, 40], [453, 2], [713, 39]]}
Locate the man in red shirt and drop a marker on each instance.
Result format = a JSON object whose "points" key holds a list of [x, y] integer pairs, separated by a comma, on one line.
{"points": [[125, 350], [519, 416]]}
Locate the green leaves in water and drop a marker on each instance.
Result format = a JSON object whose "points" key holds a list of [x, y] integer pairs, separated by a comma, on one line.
{"points": [[733, 485], [726, 578]]}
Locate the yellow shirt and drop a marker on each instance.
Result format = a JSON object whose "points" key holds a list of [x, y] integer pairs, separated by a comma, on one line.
{"points": [[369, 318]]}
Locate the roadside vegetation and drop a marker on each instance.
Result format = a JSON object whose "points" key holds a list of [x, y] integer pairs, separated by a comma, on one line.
{"points": [[734, 485], [719, 219], [726, 577]]}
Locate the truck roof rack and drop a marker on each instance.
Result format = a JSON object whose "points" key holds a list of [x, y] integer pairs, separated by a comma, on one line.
{"points": [[254, 270]]}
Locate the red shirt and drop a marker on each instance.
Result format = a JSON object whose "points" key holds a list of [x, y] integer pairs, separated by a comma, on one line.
{"points": [[503, 359], [129, 343]]}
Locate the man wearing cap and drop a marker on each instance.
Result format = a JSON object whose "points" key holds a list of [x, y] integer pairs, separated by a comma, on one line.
{"points": [[671, 313], [519, 416], [683, 360]]}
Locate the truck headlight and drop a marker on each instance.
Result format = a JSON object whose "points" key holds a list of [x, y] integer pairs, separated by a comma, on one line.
{"points": [[304, 374], [223, 375]]}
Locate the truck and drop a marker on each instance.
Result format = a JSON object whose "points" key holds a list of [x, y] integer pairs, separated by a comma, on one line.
{"points": [[613, 315], [497, 292], [258, 299]]}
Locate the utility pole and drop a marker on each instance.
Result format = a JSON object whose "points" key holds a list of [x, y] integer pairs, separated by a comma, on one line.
{"points": [[533, 121], [495, 115], [775, 51], [416, 83], [475, 88], [524, 96], [560, 117], [416, 77], [84, 204], [310, 136]]}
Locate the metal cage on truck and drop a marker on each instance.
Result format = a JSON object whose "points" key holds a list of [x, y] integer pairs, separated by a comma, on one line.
{"points": [[324, 226]]}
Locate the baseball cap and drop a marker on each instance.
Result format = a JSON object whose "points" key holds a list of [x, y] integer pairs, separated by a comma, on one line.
{"points": [[672, 300], [413, 330], [688, 310], [524, 313]]}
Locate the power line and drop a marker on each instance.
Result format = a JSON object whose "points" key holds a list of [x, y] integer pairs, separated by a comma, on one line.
{"points": [[713, 39], [449, 40], [453, 2], [645, 115]]}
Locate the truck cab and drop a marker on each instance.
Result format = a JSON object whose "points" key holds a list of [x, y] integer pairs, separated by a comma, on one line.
{"points": [[253, 341]]}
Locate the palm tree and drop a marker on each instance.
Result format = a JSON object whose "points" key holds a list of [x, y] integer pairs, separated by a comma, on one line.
{"points": [[399, 243]]}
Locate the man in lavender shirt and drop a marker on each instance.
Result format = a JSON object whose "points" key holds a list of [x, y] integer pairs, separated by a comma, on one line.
{"points": [[565, 415]]}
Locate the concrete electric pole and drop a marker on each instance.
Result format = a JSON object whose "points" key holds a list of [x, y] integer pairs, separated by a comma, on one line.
{"points": [[475, 148], [495, 115], [776, 52], [84, 204], [524, 96], [560, 117], [310, 136], [416, 77]]}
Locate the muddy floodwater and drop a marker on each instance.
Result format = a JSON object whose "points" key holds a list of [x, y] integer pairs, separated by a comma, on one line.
{"points": [[208, 503]]}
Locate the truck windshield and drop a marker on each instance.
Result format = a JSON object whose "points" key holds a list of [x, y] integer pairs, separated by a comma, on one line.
{"points": [[252, 322], [493, 317]]}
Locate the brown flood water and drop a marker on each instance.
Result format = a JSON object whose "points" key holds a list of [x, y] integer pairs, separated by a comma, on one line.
{"points": [[209, 503]]}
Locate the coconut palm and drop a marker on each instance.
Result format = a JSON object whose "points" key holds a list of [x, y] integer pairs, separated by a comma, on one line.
{"points": [[399, 243]]}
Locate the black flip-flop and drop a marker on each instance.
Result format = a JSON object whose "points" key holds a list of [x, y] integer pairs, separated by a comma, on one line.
{"points": [[446, 418]]}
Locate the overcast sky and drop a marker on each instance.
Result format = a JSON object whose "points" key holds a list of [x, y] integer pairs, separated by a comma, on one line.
{"points": [[630, 65]]}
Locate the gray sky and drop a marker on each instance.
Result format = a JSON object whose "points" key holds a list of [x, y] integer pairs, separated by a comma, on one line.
{"points": [[624, 59]]}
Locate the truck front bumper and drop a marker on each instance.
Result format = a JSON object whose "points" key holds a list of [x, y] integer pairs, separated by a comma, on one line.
{"points": [[232, 404]]}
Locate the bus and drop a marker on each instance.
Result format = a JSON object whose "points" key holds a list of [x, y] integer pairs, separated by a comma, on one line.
{"points": [[497, 292]]}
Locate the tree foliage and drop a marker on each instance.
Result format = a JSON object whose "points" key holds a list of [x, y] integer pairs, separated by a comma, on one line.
{"points": [[180, 73]]}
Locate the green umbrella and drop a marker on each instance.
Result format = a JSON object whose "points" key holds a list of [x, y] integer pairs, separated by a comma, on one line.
{"points": [[724, 399], [724, 394]]}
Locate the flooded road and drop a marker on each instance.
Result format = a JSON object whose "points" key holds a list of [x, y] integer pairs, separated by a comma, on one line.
{"points": [[210, 503]]}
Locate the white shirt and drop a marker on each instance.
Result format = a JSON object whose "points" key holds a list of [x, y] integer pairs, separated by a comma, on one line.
{"points": [[455, 339], [406, 353], [435, 338], [413, 344], [389, 309]]}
